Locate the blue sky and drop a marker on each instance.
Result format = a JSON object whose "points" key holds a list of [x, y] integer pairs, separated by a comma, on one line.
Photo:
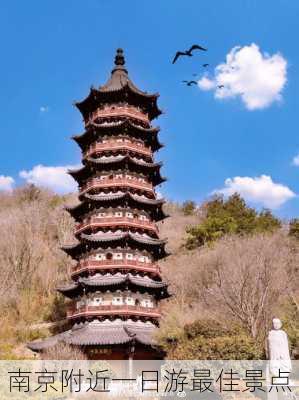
{"points": [[53, 51]]}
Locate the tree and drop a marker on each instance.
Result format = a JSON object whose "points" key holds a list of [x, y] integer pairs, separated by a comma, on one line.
{"points": [[231, 216], [207, 339], [246, 277], [189, 207]]}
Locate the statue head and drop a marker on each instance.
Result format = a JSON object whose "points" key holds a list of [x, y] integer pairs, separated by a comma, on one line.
{"points": [[277, 324]]}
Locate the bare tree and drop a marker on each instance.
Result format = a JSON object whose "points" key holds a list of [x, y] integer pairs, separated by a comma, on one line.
{"points": [[246, 277]]}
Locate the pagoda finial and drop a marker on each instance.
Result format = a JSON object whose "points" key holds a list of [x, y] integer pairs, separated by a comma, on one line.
{"points": [[119, 58]]}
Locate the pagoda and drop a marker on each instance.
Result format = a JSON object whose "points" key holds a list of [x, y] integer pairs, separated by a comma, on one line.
{"points": [[116, 285]]}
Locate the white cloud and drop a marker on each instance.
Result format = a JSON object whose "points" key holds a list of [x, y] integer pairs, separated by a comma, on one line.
{"points": [[44, 109], [55, 178], [206, 84], [256, 77], [6, 183], [261, 190], [296, 160]]}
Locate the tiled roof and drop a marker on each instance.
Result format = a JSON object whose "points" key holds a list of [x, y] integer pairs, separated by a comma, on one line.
{"points": [[111, 237], [150, 135], [125, 237], [113, 279], [115, 159], [126, 124], [101, 333]]}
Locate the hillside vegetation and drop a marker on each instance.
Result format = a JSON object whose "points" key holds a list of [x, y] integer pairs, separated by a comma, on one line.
{"points": [[231, 270]]}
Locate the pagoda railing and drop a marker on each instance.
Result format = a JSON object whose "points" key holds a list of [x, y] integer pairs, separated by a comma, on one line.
{"points": [[113, 145], [95, 222], [115, 182], [119, 112], [89, 264], [113, 309]]}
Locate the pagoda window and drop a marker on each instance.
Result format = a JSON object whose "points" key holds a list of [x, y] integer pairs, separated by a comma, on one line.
{"points": [[118, 176], [142, 217], [117, 256], [130, 301], [117, 300], [101, 215], [118, 214], [99, 257], [120, 140], [142, 258], [129, 256], [147, 303], [103, 177], [109, 256], [129, 215]]}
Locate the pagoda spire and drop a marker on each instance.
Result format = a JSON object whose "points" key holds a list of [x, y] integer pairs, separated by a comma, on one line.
{"points": [[119, 58], [119, 62]]}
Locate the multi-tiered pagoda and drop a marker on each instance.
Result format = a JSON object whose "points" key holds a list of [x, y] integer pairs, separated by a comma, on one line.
{"points": [[116, 283]]}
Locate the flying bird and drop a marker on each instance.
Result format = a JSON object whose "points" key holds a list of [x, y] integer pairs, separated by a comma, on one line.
{"points": [[204, 65], [220, 86], [190, 83], [187, 52]]}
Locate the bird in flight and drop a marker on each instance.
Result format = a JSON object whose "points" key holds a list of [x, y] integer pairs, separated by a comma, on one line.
{"points": [[190, 83], [205, 65], [187, 52], [220, 86]]}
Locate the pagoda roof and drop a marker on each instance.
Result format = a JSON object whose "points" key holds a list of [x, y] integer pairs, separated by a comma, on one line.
{"points": [[135, 197], [149, 134], [151, 169], [118, 84], [109, 280], [103, 237], [156, 245], [101, 333], [154, 206]]}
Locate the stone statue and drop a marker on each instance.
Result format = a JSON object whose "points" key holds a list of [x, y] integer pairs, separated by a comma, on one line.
{"points": [[278, 349]]}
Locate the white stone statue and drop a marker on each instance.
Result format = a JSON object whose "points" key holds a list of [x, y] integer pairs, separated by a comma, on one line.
{"points": [[278, 349]]}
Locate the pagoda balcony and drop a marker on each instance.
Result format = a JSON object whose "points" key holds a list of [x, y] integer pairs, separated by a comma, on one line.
{"points": [[119, 112], [97, 222], [100, 265], [133, 183], [113, 309], [113, 145]]}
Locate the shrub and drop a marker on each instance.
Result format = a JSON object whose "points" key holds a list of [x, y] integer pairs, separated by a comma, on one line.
{"points": [[231, 216]]}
